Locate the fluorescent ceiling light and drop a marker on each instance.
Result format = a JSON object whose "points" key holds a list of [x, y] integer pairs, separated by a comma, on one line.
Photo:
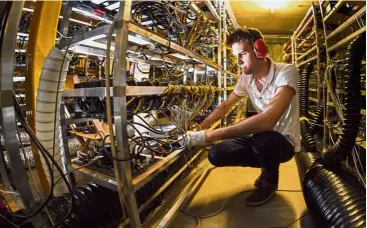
{"points": [[77, 21], [18, 79], [113, 6], [105, 4], [272, 5], [138, 40], [20, 50], [95, 44], [28, 10], [84, 50], [177, 55], [91, 15], [98, 1], [22, 34]]}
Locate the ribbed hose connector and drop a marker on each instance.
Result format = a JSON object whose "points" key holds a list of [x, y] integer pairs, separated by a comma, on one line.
{"points": [[351, 115], [334, 197], [45, 109], [308, 140], [316, 121]]}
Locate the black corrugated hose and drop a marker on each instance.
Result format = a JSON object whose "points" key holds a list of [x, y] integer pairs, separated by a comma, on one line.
{"points": [[352, 113], [316, 121], [308, 140], [334, 196]]}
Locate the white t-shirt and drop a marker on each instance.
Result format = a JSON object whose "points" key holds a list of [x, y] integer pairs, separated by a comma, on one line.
{"points": [[280, 74]]}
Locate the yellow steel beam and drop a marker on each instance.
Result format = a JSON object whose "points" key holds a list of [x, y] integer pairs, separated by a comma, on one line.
{"points": [[41, 41]]}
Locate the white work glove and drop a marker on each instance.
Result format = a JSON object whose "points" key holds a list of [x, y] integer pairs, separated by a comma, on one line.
{"points": [[194, 138]]}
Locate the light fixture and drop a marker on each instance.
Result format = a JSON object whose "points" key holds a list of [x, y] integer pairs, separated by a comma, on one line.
{"points": [[272, 5], [28, 10], [113, 6], [91, 15], [77, 21], [98, 1]]}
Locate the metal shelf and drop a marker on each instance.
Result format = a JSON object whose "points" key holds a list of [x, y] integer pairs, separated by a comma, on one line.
{"points": [[304, 20], [212, 10], [337, 7], [143, 33], [348, 22], [230, 73], [129, 91], [334, 9], [307, 38], [360, 142], [309, 21], [307, 61], [136, 29], [308, 52], [347, 39], [313, 99], [140, 180]]}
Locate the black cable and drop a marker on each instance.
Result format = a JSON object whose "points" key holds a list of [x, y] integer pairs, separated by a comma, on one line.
{"points": [[10, 222], [297, 220], [44, 153], [147, 126]]}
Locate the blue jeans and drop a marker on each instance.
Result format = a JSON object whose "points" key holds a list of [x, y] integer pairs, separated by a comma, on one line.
{"points": [[265, 150]]}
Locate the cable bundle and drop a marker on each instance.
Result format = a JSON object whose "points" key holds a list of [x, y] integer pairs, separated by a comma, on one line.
{"points": [[159, 15], [316, 121], [351, 116]]}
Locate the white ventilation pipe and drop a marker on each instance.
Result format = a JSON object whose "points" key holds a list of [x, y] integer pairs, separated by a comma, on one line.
{"points": [[45, 110]]}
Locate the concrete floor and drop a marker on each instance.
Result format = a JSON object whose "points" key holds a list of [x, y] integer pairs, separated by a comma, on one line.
{"points": [[227, 188]]}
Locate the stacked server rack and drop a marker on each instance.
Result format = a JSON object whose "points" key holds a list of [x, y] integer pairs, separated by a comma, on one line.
{"points": [[344, 22], [119, 92], [88, 41]]}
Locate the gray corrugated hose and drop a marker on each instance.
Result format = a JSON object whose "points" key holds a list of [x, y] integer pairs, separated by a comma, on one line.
{"points": [[45, 109]]}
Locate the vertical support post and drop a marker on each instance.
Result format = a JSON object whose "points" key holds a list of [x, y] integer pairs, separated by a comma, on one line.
{"points": [[293, 50], [8, 115], [223, 19], [66, 14], [41, 41], [317, 38], [64, 150], [120, 110], [219, 62], [326, 96]]}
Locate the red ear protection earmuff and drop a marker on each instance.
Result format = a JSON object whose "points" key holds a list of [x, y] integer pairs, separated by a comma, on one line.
{"points": [[260, 49]]}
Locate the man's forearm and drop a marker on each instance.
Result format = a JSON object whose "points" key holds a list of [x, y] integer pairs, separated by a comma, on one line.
{"points": [[216, 115], [252, 125]]}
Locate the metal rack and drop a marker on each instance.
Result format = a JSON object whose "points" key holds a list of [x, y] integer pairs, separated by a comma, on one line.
{"points": [[307, 48], [124, 35], [333, 43]]}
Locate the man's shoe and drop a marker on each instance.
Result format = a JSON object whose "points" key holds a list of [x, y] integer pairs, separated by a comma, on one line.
{"points": [[259, 180], [261, 194]]}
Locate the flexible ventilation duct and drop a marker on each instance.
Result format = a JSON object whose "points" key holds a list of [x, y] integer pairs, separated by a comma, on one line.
{"points": [[45, 109], [334, 196], [308, 140], [316, 121]]}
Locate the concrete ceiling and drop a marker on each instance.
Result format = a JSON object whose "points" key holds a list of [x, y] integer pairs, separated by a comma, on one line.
{"points": [[270, 17]]}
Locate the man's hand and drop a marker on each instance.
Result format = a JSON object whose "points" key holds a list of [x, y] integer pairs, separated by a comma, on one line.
{"points": [[194, 138]]}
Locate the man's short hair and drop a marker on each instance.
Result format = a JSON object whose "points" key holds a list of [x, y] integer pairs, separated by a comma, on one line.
{"points": [[250, 34]]}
